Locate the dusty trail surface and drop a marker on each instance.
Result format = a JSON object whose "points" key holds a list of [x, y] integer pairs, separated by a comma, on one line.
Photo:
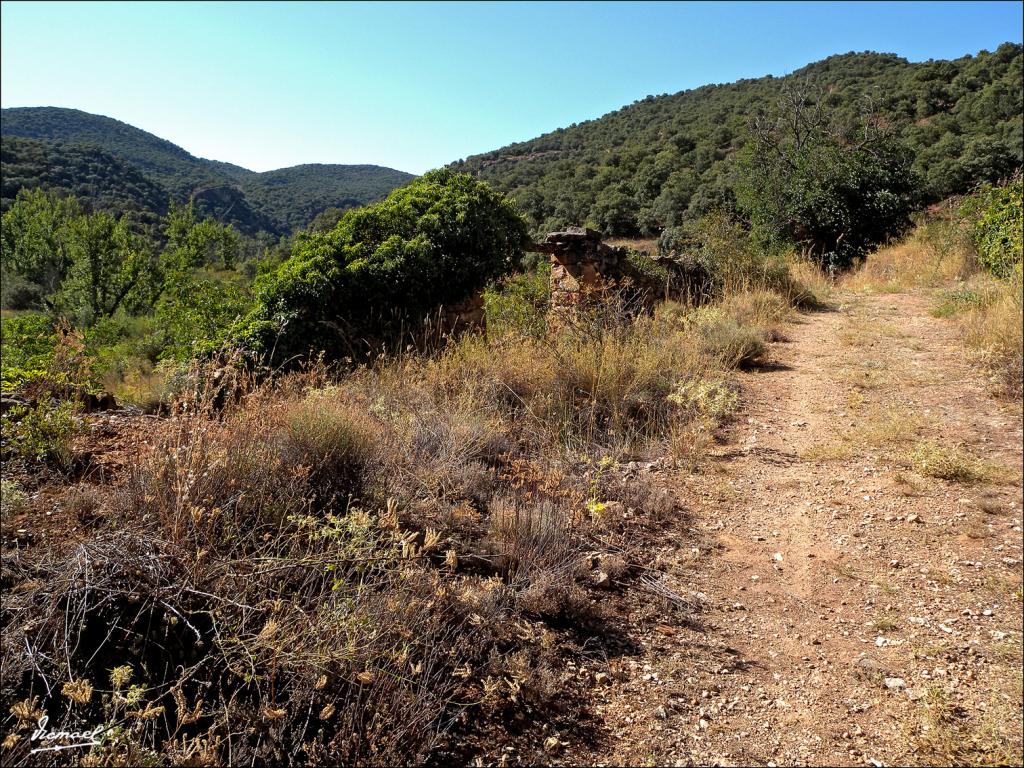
{"points": [[842, 606]]}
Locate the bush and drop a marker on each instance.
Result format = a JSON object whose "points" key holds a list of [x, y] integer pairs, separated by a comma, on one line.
{"points": [[998, 226], [517, 305], [40, 433], [335, 442], [729, 341], [832, 196], [385, 267], [26, 346], [717, 257], [18, 293]]}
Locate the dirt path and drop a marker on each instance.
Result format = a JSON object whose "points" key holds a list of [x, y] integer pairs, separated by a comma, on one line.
{"points": [[844, 608]]}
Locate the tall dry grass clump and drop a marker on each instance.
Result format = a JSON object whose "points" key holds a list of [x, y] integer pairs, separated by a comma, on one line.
{"points": [[937, 252], [350, 568], [994, 329]]}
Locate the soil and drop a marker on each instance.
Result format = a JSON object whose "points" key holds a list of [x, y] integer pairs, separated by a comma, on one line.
{"points": [[836, 607], [817, 600]]}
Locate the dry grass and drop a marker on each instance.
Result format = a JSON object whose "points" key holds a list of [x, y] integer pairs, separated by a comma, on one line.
{"points": [[937, 252], [882, 427], [813, 287], [953, 463], [994, 330], [990, 312], [948, 733], [321, 569]]}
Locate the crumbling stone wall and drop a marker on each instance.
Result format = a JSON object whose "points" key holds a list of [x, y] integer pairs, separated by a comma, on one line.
{"points": [[579, 261]]}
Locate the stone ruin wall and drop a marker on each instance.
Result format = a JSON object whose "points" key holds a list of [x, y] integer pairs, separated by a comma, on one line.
{"points": [[579, 261]]}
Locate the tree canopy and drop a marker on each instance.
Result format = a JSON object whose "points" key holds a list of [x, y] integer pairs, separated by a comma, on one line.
{"points": [[832, 188], [386, 266], [667, 160]]}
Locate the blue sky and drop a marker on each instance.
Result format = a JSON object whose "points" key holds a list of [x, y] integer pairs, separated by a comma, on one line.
{"points": [[414, 86]]}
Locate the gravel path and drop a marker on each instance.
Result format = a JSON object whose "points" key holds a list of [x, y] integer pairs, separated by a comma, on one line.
{"points": [[844, 608]]}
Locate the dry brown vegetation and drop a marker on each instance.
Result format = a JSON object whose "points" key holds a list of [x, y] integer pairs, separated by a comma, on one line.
{"points": [[939, 257], [410, 560], [374, 566]]}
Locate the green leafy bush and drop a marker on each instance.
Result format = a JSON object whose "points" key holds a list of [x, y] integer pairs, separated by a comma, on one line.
{"points": [[518, 303], [998, 214], [26, 345], [831, 188], [385, 267], [40, 433]]}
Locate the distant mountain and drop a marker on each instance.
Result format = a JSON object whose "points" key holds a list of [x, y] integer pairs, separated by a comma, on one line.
{"points": [[294, 196], [671, 158], [83, 170], [278, 202]]}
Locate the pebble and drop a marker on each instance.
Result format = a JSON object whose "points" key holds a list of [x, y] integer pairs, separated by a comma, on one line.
{"points": [[895, 683]]}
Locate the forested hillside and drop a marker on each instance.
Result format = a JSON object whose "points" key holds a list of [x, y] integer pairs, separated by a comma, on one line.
{"points": [[85, 171], [278, 202], [670, 159], [293, 197]]}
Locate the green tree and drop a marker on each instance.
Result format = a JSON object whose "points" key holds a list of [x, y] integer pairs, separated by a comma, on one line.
{"points": [[387, 266], [111, 268], [195, 244], [831, 187], [36, 234], [200, 297]]}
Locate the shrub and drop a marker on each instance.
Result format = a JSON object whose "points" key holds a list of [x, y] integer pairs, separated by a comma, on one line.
{"points": [[12, 498], [26, 346], [806, 184], [40, 433], [950, 463], [517, 305], [385, 267], [958, 300], [335, 442], [998, 225], [717, 257], [728, 340]]}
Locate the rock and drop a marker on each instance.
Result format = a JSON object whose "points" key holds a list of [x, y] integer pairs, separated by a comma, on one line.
{"points": [[552, 745], [660, 713], [869, 664], [777, 557], [895, 683], [602, 678], [914, 694], [914, 519]]}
